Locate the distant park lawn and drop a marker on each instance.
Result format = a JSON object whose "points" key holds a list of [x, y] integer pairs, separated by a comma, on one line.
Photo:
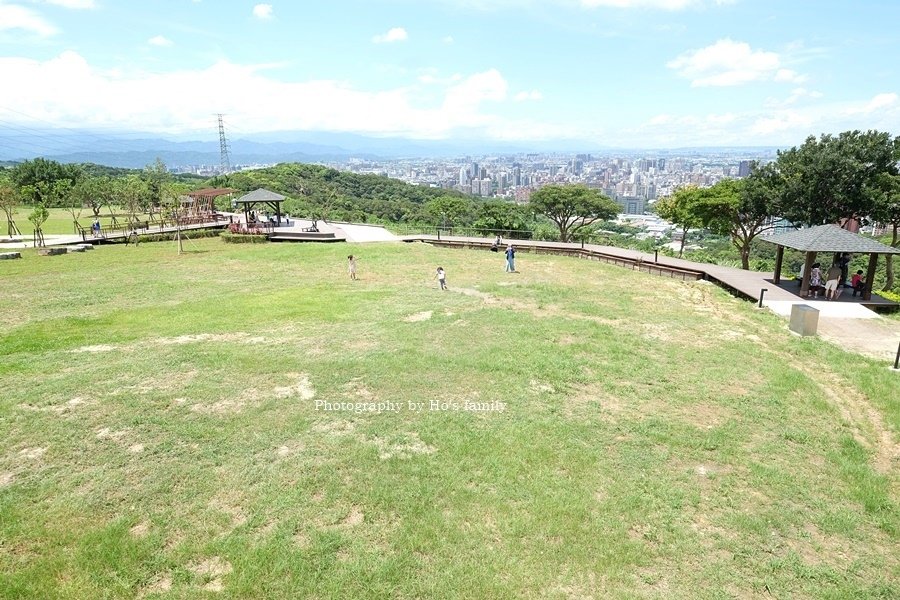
{"points": [[163, 432], [60, 221]]}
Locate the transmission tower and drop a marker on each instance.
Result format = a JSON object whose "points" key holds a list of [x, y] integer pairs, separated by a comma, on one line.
{"points": [[223, 147]]}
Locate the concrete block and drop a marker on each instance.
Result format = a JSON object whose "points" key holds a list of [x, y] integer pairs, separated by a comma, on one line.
{"points": [[86, 246], [804, 319], [51, 251], [71, 249], [10, 255]]}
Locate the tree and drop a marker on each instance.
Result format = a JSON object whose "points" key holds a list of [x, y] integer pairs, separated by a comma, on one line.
{"points": [[887, 211], [741, 209], [9, 200], [681, 209], [37, 179], [449, 211], [92, 192], [500, 216], [835, 178], [572, 207], [134, 195], [38, 217], [157, 176]]}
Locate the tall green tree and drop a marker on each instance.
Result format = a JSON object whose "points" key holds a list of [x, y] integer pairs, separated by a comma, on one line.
{"points": [[497, 215], [449, 211], [38, 180], [156, 175], [572, 207], [682, 209], [741, 209], [832, 178], [887, 211]]}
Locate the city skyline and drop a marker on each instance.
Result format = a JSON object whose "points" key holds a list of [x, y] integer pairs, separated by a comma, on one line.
{"points": [[599, 73]]}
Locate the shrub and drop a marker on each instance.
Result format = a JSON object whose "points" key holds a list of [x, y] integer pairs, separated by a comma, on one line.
{"points": [[243, 238]]}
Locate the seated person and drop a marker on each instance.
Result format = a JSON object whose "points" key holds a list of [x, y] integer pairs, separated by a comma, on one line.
{"points": [[858, 283]]}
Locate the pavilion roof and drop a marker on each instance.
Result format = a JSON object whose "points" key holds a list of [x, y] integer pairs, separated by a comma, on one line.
{"points": [[260, 195], [829, 238]]}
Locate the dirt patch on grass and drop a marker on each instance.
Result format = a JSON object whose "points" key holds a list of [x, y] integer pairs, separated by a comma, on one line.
{"points": [[95, 348], [140, 530], [211, 567], [230, 338], [354, 517], [420, 316], [337, 427], [212, 570], [409, 446], [108, 433], [236, 515], [302, 388], [541, 388], [32, 453], [160, 585], [6, 478], [222, 407], [356, 390]]}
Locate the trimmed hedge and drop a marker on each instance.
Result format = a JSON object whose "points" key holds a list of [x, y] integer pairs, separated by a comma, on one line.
{"points": [[243, 238], [193, 234]]}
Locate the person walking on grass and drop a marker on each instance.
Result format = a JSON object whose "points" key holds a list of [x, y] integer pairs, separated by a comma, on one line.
{"points": [[441, 277], [351, 267], [510, 259]]}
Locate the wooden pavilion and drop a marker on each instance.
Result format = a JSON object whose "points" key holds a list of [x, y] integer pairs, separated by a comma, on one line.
{"points": [[261, 197], [827, 238]]}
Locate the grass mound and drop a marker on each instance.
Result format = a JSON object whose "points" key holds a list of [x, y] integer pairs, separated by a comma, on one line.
{"points": [[244, 419]]}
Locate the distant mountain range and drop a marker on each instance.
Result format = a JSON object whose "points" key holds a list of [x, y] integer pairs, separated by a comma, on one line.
{"points": [[135, 149]]}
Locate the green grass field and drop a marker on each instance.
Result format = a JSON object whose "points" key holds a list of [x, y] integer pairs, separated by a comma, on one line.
{"points": [[164, 434]]}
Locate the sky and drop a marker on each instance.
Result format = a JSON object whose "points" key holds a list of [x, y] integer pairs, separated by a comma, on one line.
{"points": [[621, 73]]}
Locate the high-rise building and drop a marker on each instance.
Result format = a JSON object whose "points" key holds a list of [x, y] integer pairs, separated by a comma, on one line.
{"points": [[463, 176], [744, 168]]}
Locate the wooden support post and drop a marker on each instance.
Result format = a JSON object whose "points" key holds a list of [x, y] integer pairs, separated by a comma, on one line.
{"points": [[807, 267], [779, 259], [870, 276]]}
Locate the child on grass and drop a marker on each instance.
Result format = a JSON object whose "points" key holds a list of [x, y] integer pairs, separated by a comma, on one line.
{"points": [[441, 277], [351, 267]]}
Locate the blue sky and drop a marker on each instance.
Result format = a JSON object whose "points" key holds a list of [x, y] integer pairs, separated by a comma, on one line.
{"points": [[649, 73]]}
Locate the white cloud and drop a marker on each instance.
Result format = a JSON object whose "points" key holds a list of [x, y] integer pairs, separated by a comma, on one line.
{"points": [[728, 63], [789, 76], [447, 39], [158, 40], [532, 95], [262, 11], [132, 99], [881, 101], [76, 4], [18, 17], [781, 125], [395, 34]]}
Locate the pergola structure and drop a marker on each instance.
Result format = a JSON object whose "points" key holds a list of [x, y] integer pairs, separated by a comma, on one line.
{"points": [[261, 197], [204, 200], [827, 238]]}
